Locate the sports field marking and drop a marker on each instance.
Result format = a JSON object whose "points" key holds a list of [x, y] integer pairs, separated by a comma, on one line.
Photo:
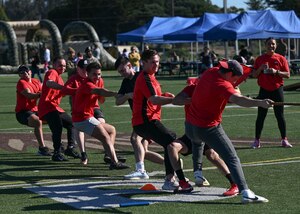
{"points": [[5, 185], [94, 195], [171, 119]]}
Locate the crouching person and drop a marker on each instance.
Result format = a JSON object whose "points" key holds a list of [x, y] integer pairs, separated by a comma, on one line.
{"points": [[83, 113]]}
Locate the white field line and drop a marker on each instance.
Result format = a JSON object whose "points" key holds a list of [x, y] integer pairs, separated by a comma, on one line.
{"points": [[171, 119], [154, 173]]}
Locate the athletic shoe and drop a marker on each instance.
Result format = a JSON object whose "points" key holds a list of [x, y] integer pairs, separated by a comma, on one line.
{"points": [[44, 151], [249, 197], [185, 186], [170, 184], [233, 190], [200, 180], [57, 156], [285, 143], [256, 144], [72, 153], [107, 159], [118, 165], [84, 159], [136, 175]]}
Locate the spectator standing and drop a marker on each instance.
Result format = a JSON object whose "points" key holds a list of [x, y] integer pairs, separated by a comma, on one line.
{"points": [[270, 69], [134, 58], [282, 48], [28, 92], [96, 51], [71, 62], [47, 58], [207, 59], [124, 53], [35, 61], [89, 56], [293, 54]]}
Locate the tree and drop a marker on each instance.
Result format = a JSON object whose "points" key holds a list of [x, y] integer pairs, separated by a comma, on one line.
{"points": [[285, 5], [256, 4], [3, 16]]}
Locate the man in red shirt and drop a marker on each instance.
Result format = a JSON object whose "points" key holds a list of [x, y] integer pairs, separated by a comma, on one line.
{"points": [[147, 102], [139, 145], [203, 120], [55, 116], [70, 88], [184, 98], [270, 69], [83, 113], [28, 92]]}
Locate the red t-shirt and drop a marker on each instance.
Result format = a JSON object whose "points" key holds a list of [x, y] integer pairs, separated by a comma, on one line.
{"points": [[189, 90], [143, 110], [84, 104], [271, 82], [209, 99], [23, 103], [73, 84], [50, 98]]}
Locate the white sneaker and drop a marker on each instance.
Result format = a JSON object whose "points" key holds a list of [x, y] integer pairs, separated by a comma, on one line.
{"points": [[200, 180], [170, 184], [136, 175], [249, 197]]}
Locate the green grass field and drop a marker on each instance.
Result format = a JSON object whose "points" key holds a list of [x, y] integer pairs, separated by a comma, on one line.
{"points": [[271, 171]]}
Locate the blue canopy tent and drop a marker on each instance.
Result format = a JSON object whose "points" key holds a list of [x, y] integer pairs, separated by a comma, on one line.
{"points": [[153, 31], [194, 33], [257, 25]]}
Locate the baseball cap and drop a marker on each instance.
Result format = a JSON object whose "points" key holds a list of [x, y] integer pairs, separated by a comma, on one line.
{"points": [[22, 69], [232, 65], [83, 63], [88, 49]]}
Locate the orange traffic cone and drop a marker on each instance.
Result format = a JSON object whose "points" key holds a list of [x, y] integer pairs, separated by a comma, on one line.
{"points": [[148, 187]]}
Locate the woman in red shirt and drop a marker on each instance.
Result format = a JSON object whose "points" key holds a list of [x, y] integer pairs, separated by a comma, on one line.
{"points": [[270, 69], [28, 92]]}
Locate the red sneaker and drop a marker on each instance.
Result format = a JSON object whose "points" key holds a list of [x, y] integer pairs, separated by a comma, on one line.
{"points": [[233, 190], [184, 187]]}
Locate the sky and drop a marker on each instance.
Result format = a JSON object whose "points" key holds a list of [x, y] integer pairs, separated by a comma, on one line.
{"points": [[236, 3]]}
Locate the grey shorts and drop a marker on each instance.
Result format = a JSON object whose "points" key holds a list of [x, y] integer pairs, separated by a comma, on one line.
{"points": [[87, 126]]}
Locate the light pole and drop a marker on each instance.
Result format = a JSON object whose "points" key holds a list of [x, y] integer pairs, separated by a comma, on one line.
{"points": [[172, 7], [226, 42]]}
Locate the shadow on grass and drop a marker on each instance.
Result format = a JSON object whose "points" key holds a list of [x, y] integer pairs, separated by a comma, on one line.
{"points": [[24, 168], [59, 207]]}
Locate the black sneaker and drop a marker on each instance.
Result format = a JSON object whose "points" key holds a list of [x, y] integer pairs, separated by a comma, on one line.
{"points": [[84, 158], [44, 151], [107, 159], [57, 156], [118, 165], [72, 153]]}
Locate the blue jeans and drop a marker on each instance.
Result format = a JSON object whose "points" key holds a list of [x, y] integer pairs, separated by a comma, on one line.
{"points": [[216, 138]]}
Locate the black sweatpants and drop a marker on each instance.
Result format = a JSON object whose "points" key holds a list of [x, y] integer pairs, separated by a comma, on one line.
{"points": [[57, 121], [277, 96]]}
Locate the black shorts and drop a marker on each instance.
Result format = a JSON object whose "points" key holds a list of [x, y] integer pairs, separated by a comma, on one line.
{"points": [[98, 113], [155, 131], [189, 145], [22, 116]]}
